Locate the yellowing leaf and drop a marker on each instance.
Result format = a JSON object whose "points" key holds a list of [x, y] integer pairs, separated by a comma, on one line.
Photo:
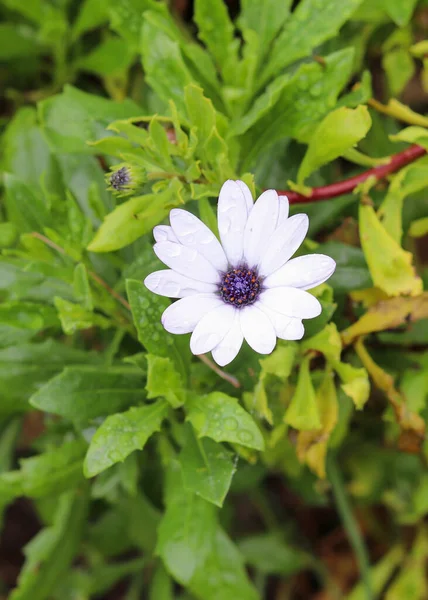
{"points": [[340, 130], [279, 364], [355, 382], [312, 445], [401, 112], [413, 178], [387, 315], [326, 341], [390, 266], [368, 296], [384, 381], [302, 412]]}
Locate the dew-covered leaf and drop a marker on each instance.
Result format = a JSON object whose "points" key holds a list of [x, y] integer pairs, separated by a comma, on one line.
{"points": [[207, 467], [123, 433], [81, 394], [221, 418]]}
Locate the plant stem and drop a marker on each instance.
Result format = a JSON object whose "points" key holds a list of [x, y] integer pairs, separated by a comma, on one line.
{"points": [[325, 192], [223, 374], [350, 524]]}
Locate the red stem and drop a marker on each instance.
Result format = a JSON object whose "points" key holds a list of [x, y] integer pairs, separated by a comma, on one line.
{"points": [[397, 161]]}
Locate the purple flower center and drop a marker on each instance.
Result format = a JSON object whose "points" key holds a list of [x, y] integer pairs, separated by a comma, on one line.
{"points": [[240, 286], [120, 179]]}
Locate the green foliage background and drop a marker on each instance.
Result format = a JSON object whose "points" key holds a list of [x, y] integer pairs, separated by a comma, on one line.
{"points": [[142, 464]]}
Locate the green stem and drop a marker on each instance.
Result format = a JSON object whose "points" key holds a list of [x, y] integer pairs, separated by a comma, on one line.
{"points": [[350, 524]]}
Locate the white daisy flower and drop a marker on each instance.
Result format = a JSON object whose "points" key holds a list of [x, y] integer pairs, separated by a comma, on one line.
{"points": [[244, 288]]}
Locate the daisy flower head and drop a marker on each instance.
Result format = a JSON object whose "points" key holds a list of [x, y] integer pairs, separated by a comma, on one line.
{"points": [[245, 287]]}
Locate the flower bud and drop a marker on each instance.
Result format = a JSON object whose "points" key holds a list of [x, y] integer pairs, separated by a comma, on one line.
{"points": [[125, 179]]}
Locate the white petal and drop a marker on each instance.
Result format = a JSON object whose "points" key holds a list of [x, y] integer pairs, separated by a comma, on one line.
{"points": [[183, 316], [303, 272], [284, 208], [212, 328], [260, 226], [257, 329], [186, 261], [174, 285], [286, 328], [247, 194], [232, 216], [284, 243], [230, 345], [164, 233], [191, 232], [291, 302]]}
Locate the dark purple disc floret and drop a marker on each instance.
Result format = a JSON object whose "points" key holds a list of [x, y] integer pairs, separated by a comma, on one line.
{"points": [[120, 179], [240, 286]]}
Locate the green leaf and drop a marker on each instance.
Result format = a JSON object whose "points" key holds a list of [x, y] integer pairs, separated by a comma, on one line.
{"points": [[207, 467], [8, 234], [413, 135], [81, 287], [304, 99], [147, 309], [81, 394], [25, 206], [312, 23], [324, 293], [221, 418], [21, 321], [399, 67], [222, 575], [126, 18], [207, 215], [351, 268], [161, 587], [356, 383], [92, 14], [121, 434], [302, 412], [54, 471], [26, 153], [271, 555], [419, 228], [135, 217], [34, 10], [50, 553], [216, 30], [337, 132], [326, 341], [186, 532], [74, 317], [166, 71], [257, 16], [204, 117], [112, 57], [400, 11], [24, 368], [279, 364], [17, 42], [164, 380], [73, 118], [390, 266]]}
